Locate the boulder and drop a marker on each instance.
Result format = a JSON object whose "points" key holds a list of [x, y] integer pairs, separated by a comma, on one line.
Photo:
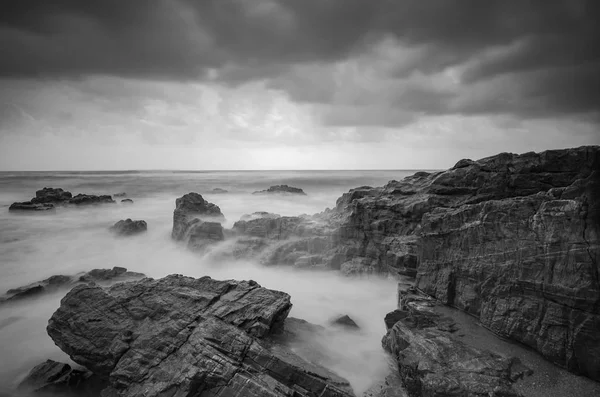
{"points": [[282, 189], [193, 221], [129, 227], [89, 199], [127, 201], [432, 362], [51, 195], [54, 378], [29, 206], [184, 336]]}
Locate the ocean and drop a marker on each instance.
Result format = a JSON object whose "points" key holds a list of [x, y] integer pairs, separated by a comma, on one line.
{"points": [[36, 246]]}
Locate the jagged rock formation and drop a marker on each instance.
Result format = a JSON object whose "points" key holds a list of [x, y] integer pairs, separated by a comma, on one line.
{"points": [[89, 199], [282, 189], [54, 378], [185, 336], [433, 363], [128, 227], [51, 195], [29, 206], [62, 282], [190, 223]]}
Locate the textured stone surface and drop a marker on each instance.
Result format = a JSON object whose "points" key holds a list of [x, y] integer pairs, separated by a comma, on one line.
{"points": [[129, 227], [51, 195], [193, 221], [183, 336], [62, 282], [433, 363], [54, 378], [91, 199]]}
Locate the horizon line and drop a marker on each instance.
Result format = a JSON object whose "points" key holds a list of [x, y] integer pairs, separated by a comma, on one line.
{"points": [[233, 170]]}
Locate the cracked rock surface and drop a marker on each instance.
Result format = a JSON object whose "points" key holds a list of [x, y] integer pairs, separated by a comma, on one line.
{"points": [[180, 336]]}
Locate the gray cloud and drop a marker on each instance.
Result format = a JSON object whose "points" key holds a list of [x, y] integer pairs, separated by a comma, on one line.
{"points": [[528, 59]]}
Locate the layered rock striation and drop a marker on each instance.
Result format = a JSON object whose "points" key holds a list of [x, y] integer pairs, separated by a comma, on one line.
{"points": [[184, 336]]}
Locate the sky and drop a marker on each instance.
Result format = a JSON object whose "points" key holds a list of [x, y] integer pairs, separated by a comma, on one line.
{"points": [[293, 84]]}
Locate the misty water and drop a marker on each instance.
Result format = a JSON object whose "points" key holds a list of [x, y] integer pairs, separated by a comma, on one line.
{"points": [[36, 246]]}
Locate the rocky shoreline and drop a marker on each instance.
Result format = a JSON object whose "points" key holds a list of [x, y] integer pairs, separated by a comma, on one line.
{"points": [[512, 240]]}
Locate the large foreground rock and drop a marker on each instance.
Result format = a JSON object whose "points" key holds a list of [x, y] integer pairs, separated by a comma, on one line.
{"points": [[433, 363], [180, 336], [196, 222]]}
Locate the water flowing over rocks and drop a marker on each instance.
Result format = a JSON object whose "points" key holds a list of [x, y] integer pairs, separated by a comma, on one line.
{"points": [[282, 189], [129, 227], [184, 336], [63, 282]]}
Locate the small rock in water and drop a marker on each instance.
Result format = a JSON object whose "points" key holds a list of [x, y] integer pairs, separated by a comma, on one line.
{"points": [[346, 322], [122, 194], [87, 199], [129, 227], [282, 189], [29, 206], [127, 201], [218, 190], [51, 195]]}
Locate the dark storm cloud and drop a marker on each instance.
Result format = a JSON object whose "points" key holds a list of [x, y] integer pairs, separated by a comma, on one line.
{"points": [[545, 51]]}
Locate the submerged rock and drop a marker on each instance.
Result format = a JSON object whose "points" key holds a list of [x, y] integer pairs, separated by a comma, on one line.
{"points": [[193, 221], [62, 282], [218, 190], [54, 378], [345, 322], [28, 206], [88, 199], [259, 215], [129, 227], [285, 189], [185, 336], [127, 201], [122, 194]]}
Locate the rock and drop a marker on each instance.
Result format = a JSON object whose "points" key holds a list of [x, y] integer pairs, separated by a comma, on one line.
{"points": [[128, 227], [61, 282], [192, 221], [281, 189], [433, 363], [259, 215], [184, 336], [88, 199], [28, 206], [127, 201], [53, 377], [122, 194], [51, 195], [218, 190], [345, 322]]}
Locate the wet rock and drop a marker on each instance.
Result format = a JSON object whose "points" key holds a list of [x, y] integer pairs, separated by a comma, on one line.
{"points": [[185, 336], [52, 377], [51, 195], [62, 282], [90, 199], [129, 227], [28, 206], [432, 362], [193, 221], [345, 322], [281, 189], [127, 201], [218, 190]]}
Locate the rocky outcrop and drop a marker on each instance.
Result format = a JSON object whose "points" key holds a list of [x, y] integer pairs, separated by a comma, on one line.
{"points": [[129, 227], [90, 199], [432, 362], [29, 206], [193, 221], [62, 282], [185, 336], [282, 189], [51, 195], [54, 378]]}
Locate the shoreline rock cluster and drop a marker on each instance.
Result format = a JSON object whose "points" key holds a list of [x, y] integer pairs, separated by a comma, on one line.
{"points": [[47, 199]]}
